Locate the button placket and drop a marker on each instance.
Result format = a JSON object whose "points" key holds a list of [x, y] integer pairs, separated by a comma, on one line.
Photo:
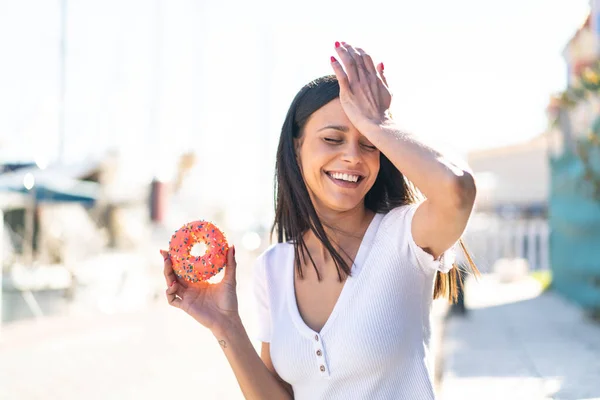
{"points": [[320, 358]]}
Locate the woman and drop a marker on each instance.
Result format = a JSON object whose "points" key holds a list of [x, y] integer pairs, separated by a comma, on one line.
{"points": [[344, 297]]}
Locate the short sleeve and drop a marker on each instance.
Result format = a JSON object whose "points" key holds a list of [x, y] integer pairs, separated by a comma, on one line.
{"points": [[424, 260], [262, 303]]}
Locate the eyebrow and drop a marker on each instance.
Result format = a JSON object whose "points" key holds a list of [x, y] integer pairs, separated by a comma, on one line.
{"points": [[341, 128]]}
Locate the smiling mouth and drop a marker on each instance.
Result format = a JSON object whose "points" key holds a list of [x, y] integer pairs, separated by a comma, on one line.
{"points": [[345, 179]]}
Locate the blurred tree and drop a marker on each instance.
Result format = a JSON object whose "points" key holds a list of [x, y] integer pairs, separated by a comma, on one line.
{"points": [[587, 147]]}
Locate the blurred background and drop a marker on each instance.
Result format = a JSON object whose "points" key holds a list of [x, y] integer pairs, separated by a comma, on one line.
{"points": [[122, 120]]}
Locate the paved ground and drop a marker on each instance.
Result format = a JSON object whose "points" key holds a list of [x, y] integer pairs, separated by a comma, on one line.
{"points": [[155, 354], [152, 352], [515, 344], [518, 344]]}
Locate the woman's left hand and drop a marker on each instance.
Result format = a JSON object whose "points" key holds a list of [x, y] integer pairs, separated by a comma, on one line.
{"points": [[364, 92]]}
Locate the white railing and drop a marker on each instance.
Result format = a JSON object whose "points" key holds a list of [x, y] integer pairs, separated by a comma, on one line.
{"points": [[490, 238]]}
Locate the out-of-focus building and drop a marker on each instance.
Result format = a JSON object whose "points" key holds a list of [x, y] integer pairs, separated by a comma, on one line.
{"points": [[513, 179], [574, 206], [60, 225], [510, 218], [540, 200]]}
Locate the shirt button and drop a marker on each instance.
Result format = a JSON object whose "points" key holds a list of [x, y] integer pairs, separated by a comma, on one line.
{"points": [[317, 338], [322, 368], [319, 353]]}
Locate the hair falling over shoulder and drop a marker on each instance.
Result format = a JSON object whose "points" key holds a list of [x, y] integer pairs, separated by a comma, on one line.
{"points": [[448, 285]]}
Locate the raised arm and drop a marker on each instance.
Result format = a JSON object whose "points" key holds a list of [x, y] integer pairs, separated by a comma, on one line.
{"points": [[450, 190]]}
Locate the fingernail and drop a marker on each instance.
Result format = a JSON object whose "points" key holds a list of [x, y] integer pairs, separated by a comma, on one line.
{"points": [[382, 67], [337, 44], [234, 251], [172, 283], [333, 59]]}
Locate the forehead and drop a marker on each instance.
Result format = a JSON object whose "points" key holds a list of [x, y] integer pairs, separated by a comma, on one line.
{"points": [[331, 113]]}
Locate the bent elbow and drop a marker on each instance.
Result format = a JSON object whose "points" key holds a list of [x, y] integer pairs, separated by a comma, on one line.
{"points": [[464, 190]]}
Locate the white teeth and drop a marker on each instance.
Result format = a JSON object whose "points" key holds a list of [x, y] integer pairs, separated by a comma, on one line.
{"points": [[345, 177]]}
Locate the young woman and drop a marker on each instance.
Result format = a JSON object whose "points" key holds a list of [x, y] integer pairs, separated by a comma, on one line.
{"points": [[344, 296]]}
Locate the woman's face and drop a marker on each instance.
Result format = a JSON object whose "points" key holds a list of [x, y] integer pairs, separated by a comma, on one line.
{"points": [[338, 163]]}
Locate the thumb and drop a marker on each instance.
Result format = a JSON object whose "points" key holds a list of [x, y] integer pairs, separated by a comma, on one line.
{"points": [[231, 266]]}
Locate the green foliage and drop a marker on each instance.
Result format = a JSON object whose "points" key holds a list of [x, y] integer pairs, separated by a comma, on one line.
{"points": [[587, 148]]}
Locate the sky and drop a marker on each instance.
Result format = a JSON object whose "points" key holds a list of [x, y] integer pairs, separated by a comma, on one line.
{"points": [[155, 78]]}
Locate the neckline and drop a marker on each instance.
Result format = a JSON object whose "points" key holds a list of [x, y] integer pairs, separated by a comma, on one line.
{"points": [[361, 256]]}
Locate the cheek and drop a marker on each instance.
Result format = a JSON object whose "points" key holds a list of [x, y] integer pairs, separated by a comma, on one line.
{"points": [[314, 158], [310, 171], [374, 165]]}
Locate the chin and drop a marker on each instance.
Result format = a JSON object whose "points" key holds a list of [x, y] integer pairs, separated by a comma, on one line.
{"points": [[344, 205]]}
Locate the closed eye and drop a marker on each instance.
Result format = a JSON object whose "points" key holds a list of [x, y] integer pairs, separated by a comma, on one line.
{"points": [[339, 141], [370, 147]]}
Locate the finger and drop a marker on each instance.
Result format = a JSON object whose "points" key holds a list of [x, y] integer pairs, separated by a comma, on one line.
{"points": [[361, 69], [348, 62], [381, 75], [174, 294], [170, 276], [340, 74], [231, 266], [175, 288], [368, 63], [172, 298]]}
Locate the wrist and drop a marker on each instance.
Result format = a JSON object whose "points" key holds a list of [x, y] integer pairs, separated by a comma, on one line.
{"points": [[372, 128], [370, 124], [228, 327]]}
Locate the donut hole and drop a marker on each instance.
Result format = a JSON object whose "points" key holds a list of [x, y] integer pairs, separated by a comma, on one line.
{"points": [[218, 277], [198, 250]]}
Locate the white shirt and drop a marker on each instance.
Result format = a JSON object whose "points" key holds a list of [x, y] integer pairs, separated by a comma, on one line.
{"points": [[375, 344]]}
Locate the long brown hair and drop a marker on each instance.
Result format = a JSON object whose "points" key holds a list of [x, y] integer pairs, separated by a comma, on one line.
{"points": [[294, 211]]}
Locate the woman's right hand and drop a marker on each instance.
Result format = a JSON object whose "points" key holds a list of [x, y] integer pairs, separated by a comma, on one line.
{"points": [[214, 305]]}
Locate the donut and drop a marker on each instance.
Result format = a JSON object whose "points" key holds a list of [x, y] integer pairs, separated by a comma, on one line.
{"points": [[196, 270]]}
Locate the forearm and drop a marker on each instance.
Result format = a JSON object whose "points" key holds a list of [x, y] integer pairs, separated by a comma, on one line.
{"points": [[440, 180], [254, 378]]}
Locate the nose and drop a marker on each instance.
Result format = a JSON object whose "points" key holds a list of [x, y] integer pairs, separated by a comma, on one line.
{"points": [[351, 153]]}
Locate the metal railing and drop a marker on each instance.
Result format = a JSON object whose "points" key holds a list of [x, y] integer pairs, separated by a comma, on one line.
{"points": [[490, 238]]}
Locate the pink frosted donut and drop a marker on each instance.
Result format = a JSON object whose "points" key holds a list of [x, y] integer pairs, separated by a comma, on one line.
{"points": [[198, 269]]}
